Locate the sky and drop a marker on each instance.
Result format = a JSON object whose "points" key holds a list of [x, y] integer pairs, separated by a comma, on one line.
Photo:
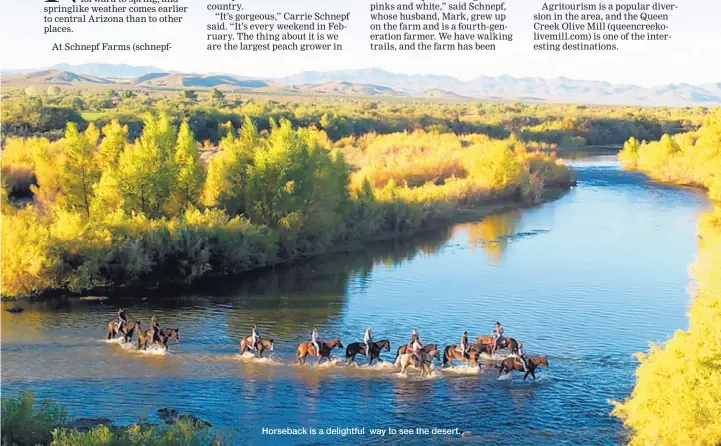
{"points": [[693, 55]]}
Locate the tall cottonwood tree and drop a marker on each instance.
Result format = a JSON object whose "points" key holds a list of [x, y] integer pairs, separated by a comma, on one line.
{"points": [[79, 171], [297, 184], [189, 172], [227, 179], [146, 169], [115, 139]]}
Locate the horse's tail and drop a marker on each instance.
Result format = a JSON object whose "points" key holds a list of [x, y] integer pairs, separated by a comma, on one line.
{"points": [[110, 334], [445, 355]]}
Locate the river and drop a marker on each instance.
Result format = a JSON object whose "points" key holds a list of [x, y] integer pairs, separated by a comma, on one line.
{"points": [[588, 280]]}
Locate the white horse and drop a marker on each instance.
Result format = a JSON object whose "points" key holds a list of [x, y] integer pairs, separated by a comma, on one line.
{"points": [[407, 359]]}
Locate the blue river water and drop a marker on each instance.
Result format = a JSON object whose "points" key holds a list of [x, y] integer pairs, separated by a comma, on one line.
{"points": [[587, 280]]}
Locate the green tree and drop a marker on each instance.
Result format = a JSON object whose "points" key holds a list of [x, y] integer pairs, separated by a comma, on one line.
{"points": [[189, 95], [216, 94], [54, 90]]}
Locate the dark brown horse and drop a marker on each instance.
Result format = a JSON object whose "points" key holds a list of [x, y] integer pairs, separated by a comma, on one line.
{"points": [[263, 345], [510, 364], [126, 331], [426, 349], [355, 348], [451, 352], [307, 348], [169, 333], [508, 343], [145, 337]]}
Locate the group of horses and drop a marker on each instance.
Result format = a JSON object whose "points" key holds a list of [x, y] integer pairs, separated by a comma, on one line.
{"points": [[405, 358], [145, 337]]}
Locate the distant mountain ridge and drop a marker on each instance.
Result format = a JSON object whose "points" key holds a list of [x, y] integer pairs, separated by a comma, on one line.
{"points": [[376, 81]]}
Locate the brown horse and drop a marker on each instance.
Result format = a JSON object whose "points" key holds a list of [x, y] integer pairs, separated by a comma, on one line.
{"points": [[510, 364], [450, 353], [306, 348], [508, 343], [246, 344], [426, 349], [126, 331]]}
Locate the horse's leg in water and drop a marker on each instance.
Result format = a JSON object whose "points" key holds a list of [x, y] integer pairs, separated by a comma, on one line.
{"points": [[525, 375]]}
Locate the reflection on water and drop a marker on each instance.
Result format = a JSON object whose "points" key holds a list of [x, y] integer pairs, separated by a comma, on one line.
{"points": [[587, 280], [492, 234]]}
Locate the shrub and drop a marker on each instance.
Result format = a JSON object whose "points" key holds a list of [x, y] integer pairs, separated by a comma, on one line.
{"points": [[25, 424]]}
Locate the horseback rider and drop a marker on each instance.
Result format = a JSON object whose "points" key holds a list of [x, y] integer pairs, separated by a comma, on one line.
{"points": [[368, 341], [465, 346], [523, 357], [155, 328], [315, 340], [255, 336], [497, 335], [416, 348], [122, 319]]}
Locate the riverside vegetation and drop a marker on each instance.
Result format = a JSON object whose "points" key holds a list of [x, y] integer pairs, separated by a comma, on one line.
{"points": [[45, 113], [26, 423], [104, 198], [102, 209], [677, 397]]}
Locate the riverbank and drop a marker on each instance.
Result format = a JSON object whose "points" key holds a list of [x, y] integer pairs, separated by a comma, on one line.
{"points": [[459, 215], [688, 159]]}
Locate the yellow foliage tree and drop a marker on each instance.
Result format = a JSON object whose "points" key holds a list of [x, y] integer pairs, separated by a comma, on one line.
{"points": [[79, 172], [189, 173], [677, 397]]}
